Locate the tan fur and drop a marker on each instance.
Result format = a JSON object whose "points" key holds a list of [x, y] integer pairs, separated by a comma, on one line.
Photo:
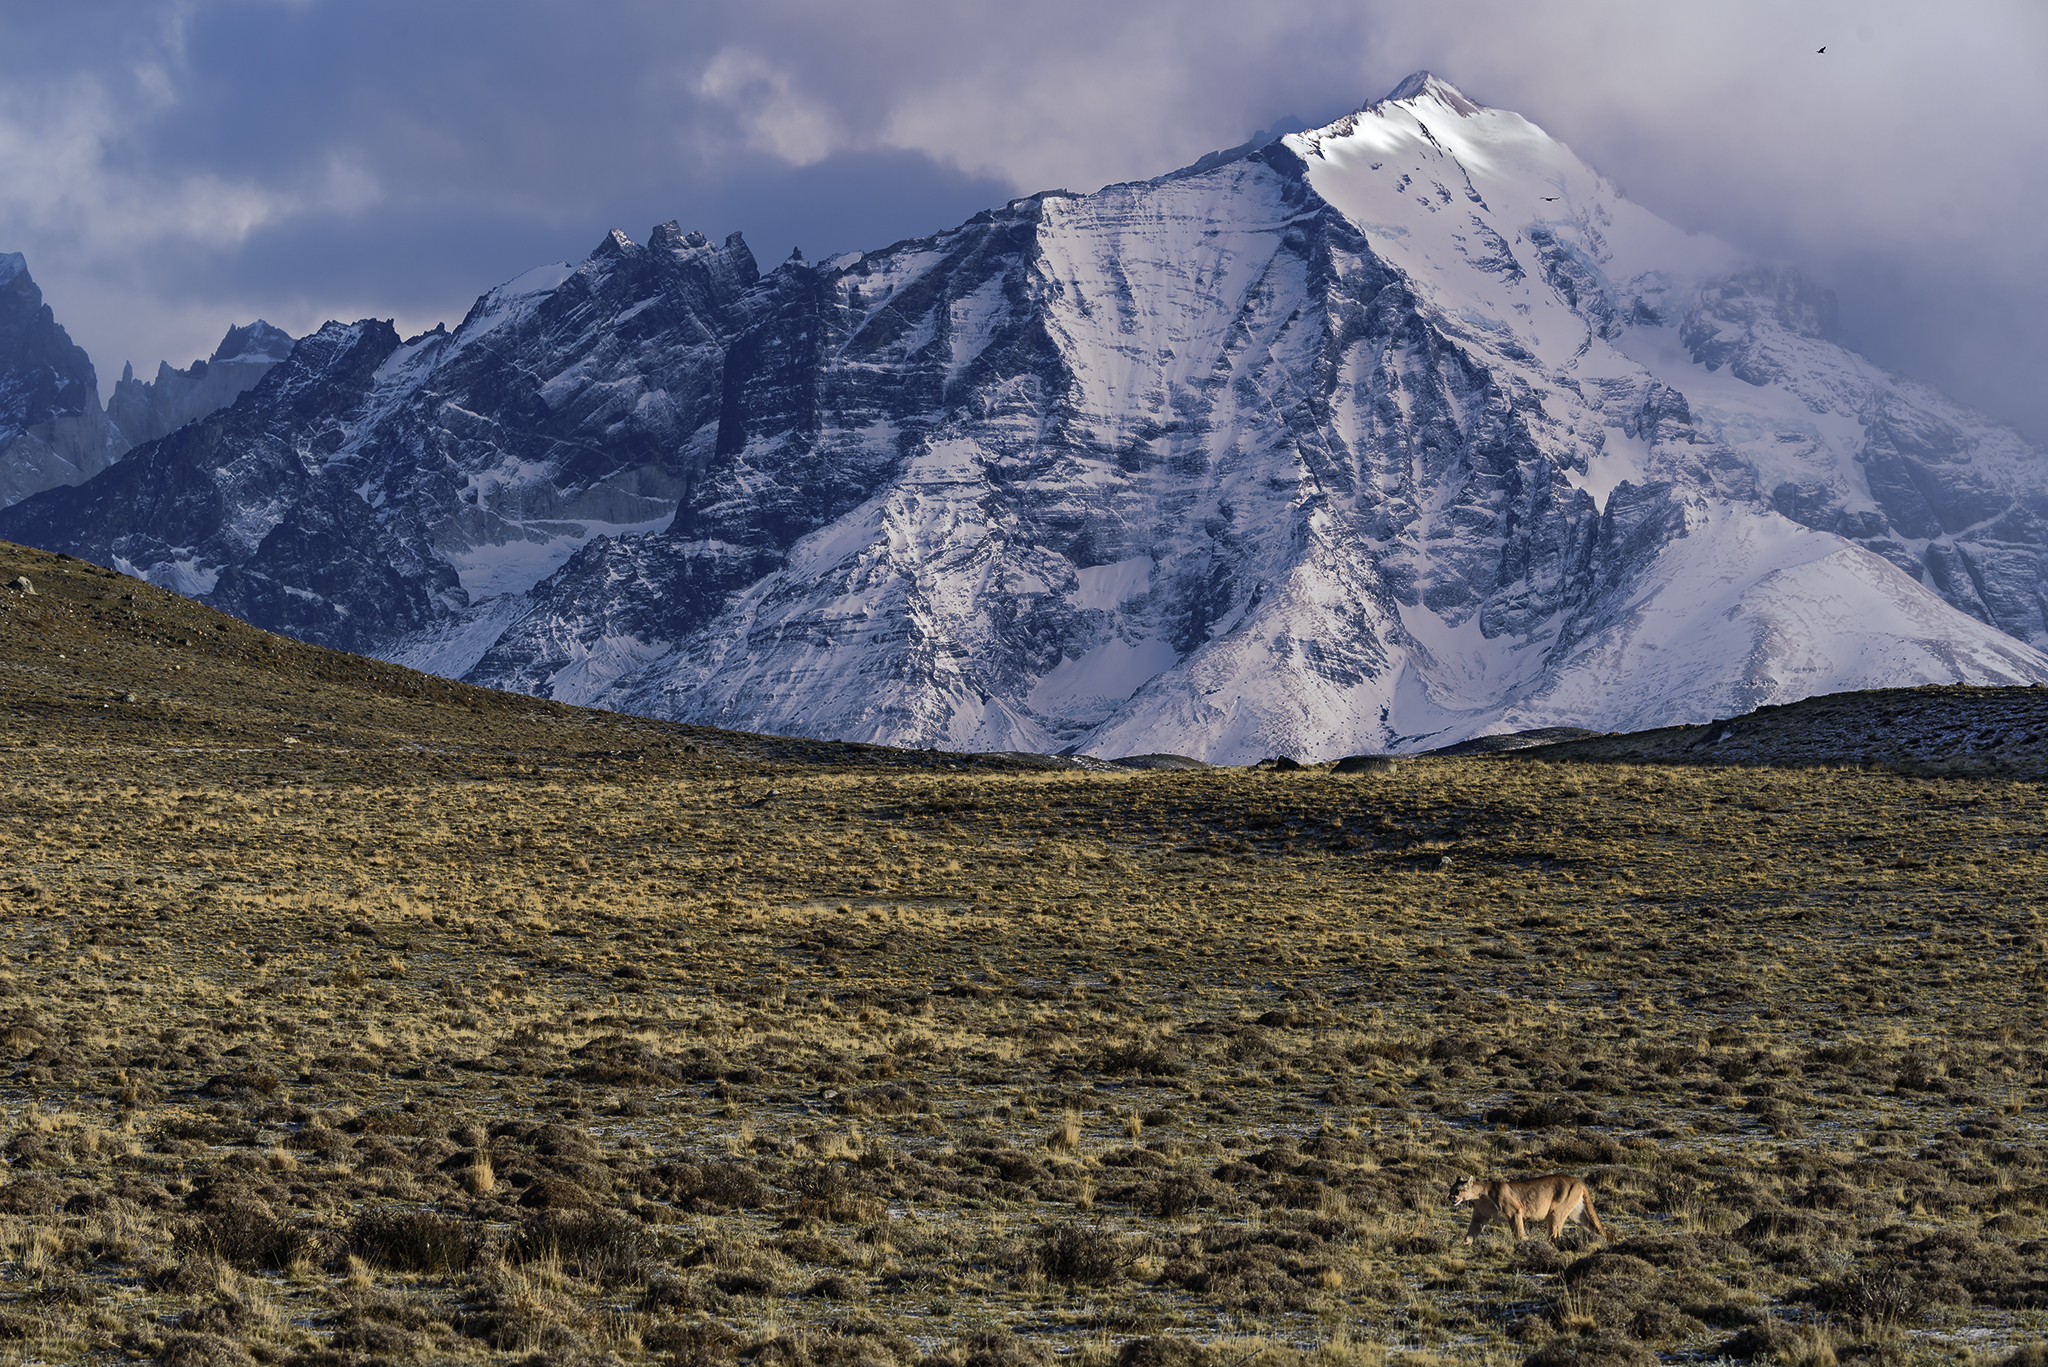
{"points": [[1556, 1199]]}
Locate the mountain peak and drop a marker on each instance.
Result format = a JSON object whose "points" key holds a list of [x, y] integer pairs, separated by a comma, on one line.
{"points": [[11, 265], [258, 341], [1422, 85]]}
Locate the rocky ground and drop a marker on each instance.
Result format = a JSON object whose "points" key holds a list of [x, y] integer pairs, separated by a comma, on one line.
{"points": [[355, 1016]]}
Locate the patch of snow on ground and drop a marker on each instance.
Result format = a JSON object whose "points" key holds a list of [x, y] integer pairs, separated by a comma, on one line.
{"points": [[592, 672], [1468, 670], [407, 358]]}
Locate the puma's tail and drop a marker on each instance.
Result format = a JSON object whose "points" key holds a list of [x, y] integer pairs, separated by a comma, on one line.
{"points": [[1593, 1216]]}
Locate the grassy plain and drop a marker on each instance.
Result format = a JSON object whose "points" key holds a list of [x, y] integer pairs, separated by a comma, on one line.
{"points": [[355, 1016]]}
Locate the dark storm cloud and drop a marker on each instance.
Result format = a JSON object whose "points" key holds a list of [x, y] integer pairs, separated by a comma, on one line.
{"points": [[168, 169]]}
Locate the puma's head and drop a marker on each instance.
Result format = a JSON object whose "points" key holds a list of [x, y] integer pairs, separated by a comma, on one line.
{"points": [[1467, 1189]]}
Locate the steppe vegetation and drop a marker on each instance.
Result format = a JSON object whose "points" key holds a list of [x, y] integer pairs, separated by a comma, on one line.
{"points": [[354, 1016]]}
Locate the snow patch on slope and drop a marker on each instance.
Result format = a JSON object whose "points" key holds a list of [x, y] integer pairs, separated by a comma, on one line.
{"points": [[512, 299], [1105, 588], [452, 646], [1101, 679], [1803, 613], [489, 569]]}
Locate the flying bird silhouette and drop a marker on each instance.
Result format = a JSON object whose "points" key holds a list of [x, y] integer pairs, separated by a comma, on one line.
{"points": [[1822, 48], [1550, 199]]}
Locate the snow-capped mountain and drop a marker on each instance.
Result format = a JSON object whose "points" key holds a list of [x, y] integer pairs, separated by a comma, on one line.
{"points": [[53, 431], [1374, 437]]}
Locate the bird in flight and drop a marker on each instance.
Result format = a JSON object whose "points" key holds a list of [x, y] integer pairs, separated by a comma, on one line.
{"points": [[1822, 48], [1550, 199]]}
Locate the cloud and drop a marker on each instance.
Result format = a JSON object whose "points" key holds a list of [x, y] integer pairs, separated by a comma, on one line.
{"points": [[396, 158], [58, 179], [775, 117]]}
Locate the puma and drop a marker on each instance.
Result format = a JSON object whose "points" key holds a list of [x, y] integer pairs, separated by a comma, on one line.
{"points": [[1556, 1198]]}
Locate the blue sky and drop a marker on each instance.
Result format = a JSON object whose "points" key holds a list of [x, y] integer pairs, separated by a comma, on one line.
{"points": [[171, 167]]}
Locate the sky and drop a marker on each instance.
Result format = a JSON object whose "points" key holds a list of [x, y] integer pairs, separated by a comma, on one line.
{"points": [[171, 167]]}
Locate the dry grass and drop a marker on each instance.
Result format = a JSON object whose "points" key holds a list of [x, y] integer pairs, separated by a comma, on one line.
{"points": [[447, 1041]]}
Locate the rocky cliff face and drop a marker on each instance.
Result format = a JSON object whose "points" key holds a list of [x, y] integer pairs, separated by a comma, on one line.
{"points": [[53, 431], [1374, 437], [51, 428], [143, 410]]}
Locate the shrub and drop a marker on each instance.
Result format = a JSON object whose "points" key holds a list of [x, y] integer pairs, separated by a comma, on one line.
{"points": [[225, 1315], [416, 1241], [1771, 1338], [1556, 1113], [1445, 1048], [851, 1346], [1882, 1295], [243, 1235], [1164, 1352], [31, 1196], [1141, 1058], [712, 1188], [830, 1191], [552, 1193], [1659, 1322], [14, 1328], [516, 1316], [747, 1282], [1784, 1227], [383, 1340], [992, 1348], [1602, 1349], [694, 1344], [806, 1247], [1076, 1253], [1178, 1195], [666, 1292], [1610, 1288], [597, 1245], [201, 1350]]}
